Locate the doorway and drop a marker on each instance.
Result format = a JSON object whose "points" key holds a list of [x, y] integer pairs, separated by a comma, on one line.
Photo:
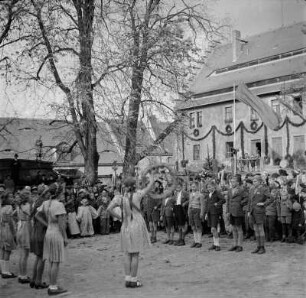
{"points": [[256, 147], [277, 150]]}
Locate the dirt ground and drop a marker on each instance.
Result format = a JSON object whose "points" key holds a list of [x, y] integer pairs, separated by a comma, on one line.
{"points": [[94, 268]]}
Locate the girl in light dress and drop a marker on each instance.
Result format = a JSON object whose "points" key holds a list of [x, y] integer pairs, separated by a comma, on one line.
{"points": [[7, 234], [86, 214], [134, 233], [24, 234], [55, 238]]}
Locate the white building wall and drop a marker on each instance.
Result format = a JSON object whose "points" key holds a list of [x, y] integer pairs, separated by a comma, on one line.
{"points": [[215, 115]]}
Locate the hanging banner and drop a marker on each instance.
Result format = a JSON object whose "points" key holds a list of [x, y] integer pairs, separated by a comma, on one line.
{"points": [[268, 116]]}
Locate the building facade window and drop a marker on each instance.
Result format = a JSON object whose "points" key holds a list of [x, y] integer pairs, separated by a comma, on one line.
{"points": [[298, 105], [254, 115], [192, 120], [229, 149], [199, 119], [196, 152], [276, 106], [299, 144], [228, 116]]}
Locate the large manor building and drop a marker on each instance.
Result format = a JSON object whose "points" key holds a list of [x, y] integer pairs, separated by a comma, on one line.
{"points": [[273, 66]]}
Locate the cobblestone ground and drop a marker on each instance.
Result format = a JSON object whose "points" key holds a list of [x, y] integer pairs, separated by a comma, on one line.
{"points": [[94, 268]]}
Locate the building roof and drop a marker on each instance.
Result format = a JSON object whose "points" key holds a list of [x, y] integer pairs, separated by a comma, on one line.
{"points": [[20, 135], [144, 135], [267, 44]]}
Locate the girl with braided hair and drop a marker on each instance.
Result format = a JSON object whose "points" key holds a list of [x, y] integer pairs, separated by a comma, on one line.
{"points": [[55, 238], [134, 233], [23, 234]]}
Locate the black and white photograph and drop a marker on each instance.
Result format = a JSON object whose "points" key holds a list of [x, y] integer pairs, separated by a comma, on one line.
{"points": [[153, 148]]}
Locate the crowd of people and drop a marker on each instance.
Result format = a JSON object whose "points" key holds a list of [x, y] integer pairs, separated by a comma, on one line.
{"points": [[259, 206], [40, 219]]}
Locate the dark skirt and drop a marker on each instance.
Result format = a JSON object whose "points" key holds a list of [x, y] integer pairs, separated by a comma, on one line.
{"points": [[37, 239], [236, 220], [179, 213]]}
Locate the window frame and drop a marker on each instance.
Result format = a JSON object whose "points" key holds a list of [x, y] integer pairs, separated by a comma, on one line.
{"points": [[229, 153], [199, 119], [196, 154], [192, 120], [228, 120], [276, 106], [253, 115], [297, 101]]}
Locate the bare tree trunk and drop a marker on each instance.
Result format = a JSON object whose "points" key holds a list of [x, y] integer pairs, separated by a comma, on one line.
{"points": [[85, 12], [130, 157]]}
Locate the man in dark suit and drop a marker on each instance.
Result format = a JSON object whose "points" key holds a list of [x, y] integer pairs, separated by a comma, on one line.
{"points": [[181, 201], [259, 197]]}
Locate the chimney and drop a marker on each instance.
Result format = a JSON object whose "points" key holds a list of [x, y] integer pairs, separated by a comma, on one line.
{"points": [[236, 44]]}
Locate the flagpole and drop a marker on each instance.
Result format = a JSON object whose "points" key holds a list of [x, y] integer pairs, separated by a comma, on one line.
{"points": [[234, 124]]}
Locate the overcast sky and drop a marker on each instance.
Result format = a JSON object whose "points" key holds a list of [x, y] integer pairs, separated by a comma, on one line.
{"points": [[255, 16], [249, 16]]}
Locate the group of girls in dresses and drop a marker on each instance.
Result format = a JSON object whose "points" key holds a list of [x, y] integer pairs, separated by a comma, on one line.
{"points": [[40, 229]]}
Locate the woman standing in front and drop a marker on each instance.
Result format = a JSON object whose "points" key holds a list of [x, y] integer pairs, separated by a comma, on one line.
{"points": [[56, 237], [134, 233]]}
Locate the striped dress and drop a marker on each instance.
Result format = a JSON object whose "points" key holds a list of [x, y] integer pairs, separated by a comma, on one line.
{"points": [[24, 226]]}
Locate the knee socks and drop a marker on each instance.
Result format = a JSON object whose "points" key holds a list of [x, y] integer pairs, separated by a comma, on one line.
{"points": [[200, 237], [256, 230], [216, 241], [289, 229], [5, 267], [195, 236], [128, 278], [240, 236], [235, 235], [261, 235], [284, 230]]}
